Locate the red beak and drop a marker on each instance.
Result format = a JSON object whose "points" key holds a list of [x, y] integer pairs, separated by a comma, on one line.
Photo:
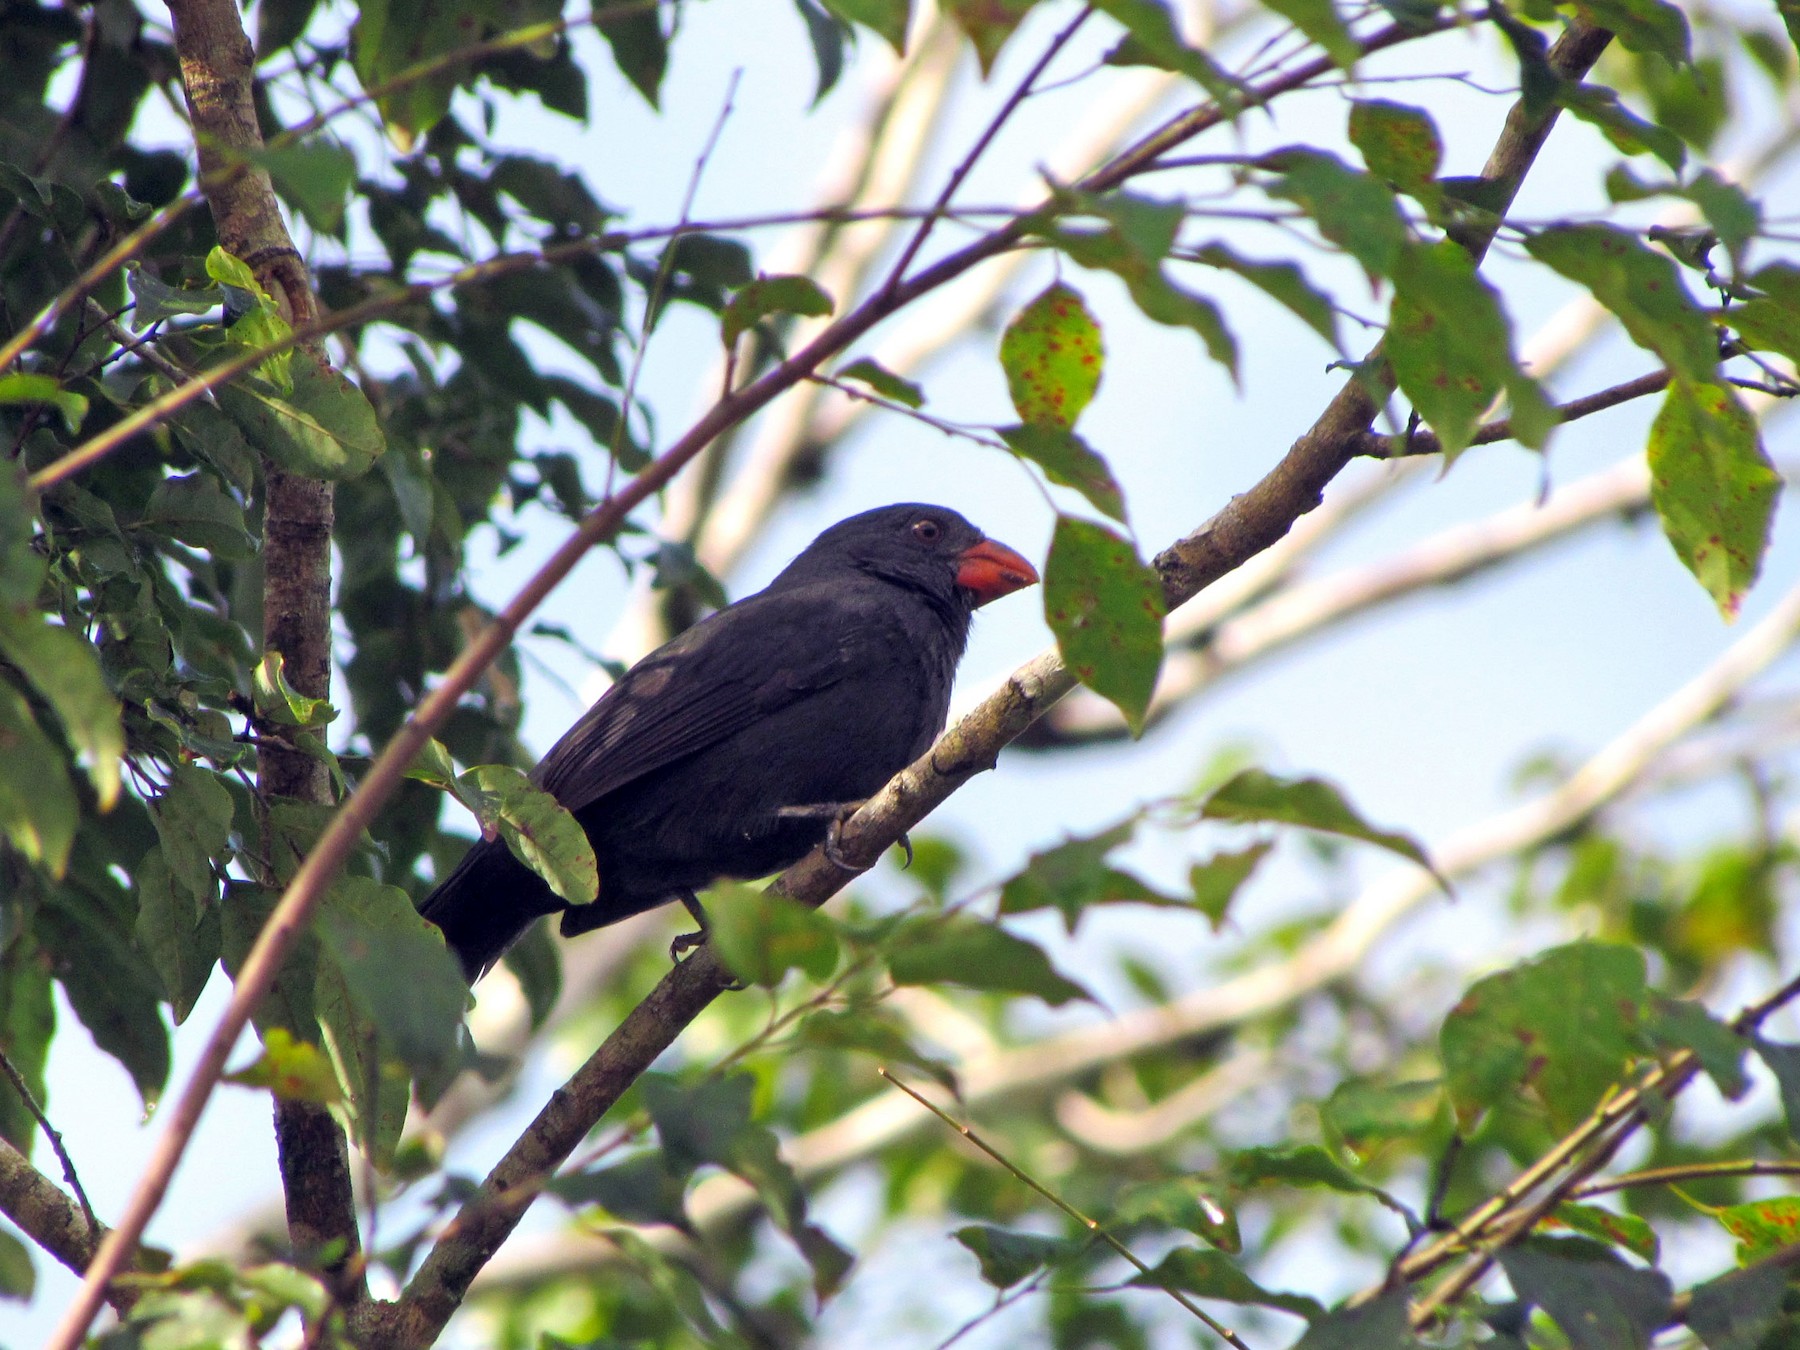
{"points": [[990, 570]]}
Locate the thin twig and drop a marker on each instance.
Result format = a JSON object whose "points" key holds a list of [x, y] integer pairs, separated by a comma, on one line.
{"points": [[1020, 93], [665, 266], [1092, 1225], [1662, 1176], [17, 1079]]}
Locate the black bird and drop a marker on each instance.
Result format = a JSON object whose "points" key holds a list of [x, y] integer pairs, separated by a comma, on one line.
{"points": [[701, 761]]}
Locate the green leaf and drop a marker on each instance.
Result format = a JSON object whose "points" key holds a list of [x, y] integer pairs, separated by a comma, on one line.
{"points": [[1302, 1165], [324, 429], [291, 1069], [1074, 875], [829, 36], [1253, 796], [65, 670], [388, 39], [1053, 357], [884, 382], [1106, 609], [1156, 41], [27, 388], [1713, 488], [316, 176], [370, 932], [757, 300], [230, 270], [18, 1278], [433, 765], [38, 808], [1448, 341], [1621, 1230], [1784, 1062], [1008, 1257], [211, 437], [156, 300], [22, 567], [1381, 1325], [180, 938], [1598, 1301], [761, 936], [1638, 285], [537, 966], [1679, 1024], [976, 955], [1353, 210], [195, 510], [27, 1027], [109, 983], [1282, 282], [1600, 107], [1564, 1026], [375, 1088], [540, 833], [869, 1031], [988, 24], [1653, 26], [889, 18], [639, 1190], [1766, 326], [1212, 1274], [1736, 1311], [639, 47], [1067, 459], [710, 1122], [1319, 20], [1215, 882], [290, 1004], [1139, 234], [1181, 1204], [1399, 143], [1761, 1227], [279, 702], [1363, 1115]]}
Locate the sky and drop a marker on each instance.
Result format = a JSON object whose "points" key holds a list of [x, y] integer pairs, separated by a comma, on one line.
{"points": [[1423, 712]]}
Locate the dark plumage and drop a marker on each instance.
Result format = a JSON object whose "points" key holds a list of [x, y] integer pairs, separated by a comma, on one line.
{"points": [[812, 692]]}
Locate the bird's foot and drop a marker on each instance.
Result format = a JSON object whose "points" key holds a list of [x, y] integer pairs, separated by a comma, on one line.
{"points": [[683, 943], [838, 812]]}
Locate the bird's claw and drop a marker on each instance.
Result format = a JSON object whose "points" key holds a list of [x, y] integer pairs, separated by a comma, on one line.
{"points": [[832, 847], [683, 943], [905, 843]]}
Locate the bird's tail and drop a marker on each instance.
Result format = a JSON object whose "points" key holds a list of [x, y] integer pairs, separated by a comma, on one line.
{"points": [[486, 904]]}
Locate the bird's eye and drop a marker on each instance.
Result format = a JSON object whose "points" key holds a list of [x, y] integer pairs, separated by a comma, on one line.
{"points": [[927, 531]]}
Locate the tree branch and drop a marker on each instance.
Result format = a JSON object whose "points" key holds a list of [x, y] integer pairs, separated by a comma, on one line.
{"points": [[217, 67], [47, 1215]]}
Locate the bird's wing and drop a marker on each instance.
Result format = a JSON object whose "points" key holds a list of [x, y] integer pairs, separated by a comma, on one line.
{"points": [[740, 664]]}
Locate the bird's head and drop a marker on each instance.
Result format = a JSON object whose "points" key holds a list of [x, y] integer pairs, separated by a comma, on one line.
{"points": [[928, 548]]}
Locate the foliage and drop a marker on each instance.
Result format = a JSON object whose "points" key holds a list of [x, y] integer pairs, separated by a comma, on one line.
{"points": [[153, 385]]}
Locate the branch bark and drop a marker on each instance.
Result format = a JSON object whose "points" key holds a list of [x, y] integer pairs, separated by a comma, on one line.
{"points": [[217, 67], [49, 1216]]}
